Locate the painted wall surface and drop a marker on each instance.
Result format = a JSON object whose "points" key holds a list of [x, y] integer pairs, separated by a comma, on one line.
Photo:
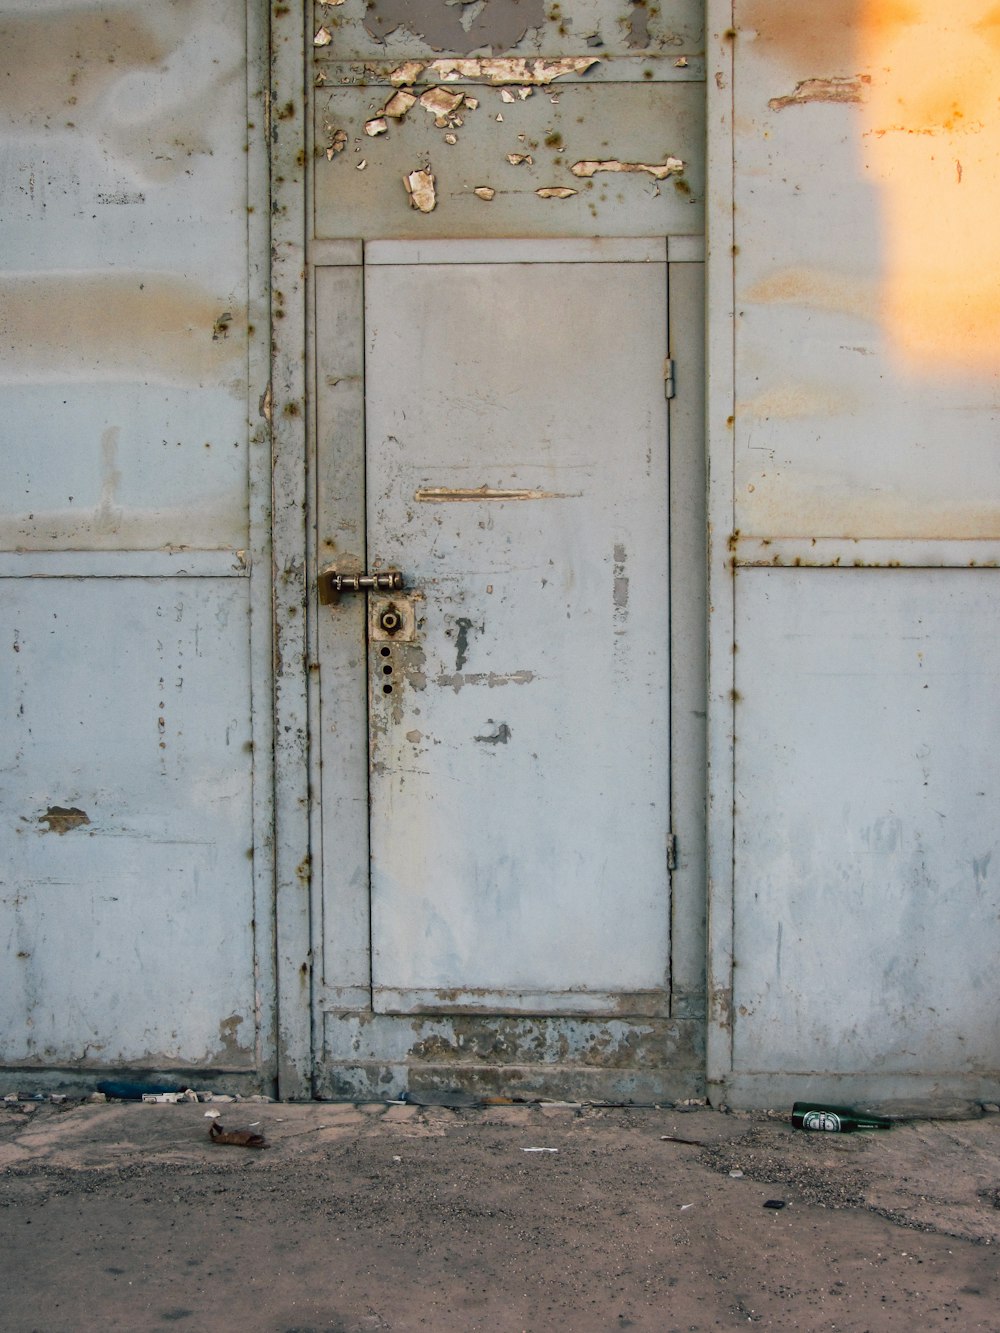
{"points": [[129, 929], [856, 476]]}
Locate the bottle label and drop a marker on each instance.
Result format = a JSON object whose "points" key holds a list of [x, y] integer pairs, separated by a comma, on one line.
{"points": [[822, 1120]]}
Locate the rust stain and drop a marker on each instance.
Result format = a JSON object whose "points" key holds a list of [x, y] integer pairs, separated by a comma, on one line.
{"points": [[62, 819], [789, 401], [822, 288], [805, 37], [446, 494], [73, 73], [113, 327], [838, 91], [822, 506], [46, 61]]}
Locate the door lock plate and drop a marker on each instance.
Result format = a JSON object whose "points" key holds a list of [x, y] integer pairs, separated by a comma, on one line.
{"points": [[392, 619]]}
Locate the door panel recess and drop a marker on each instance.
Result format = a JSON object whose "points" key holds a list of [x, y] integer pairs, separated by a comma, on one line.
{"points": [[516, 737]]}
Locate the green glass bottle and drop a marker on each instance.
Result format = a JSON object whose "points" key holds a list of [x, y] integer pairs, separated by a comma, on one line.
{"points": [[835, 1119]]}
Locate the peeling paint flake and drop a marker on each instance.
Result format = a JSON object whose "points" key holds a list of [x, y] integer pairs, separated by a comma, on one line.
{"points": [[658, 170], [484, 192], [445, 494], [824, 90], [508, 69], [323, 37], [379, 125], [555, 192], [515, 159], [420, 188], [337, 144], [399, 104], [407, 73], [494, 69], [61, 819], [440, 102]]}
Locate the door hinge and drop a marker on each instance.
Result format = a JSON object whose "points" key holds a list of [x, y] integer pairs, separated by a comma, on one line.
{"points": [[668, 377], [671, 852]]}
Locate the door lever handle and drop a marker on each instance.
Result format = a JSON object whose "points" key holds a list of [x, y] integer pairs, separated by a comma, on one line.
{"points": [[332, 584]]}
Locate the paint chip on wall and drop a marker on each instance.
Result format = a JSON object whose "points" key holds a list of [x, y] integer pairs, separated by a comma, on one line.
{"points": [[420, 187]]}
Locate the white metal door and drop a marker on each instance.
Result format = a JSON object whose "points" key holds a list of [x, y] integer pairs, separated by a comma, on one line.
{"points": [[516, 739]]}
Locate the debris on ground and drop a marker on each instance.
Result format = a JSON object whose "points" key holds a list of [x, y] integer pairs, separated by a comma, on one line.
{"points": [[236, 1138]]}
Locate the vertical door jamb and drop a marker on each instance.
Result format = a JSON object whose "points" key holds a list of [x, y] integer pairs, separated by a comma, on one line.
{"points": [[259, 441], [686, 269], [721, 588], [287, 129]]}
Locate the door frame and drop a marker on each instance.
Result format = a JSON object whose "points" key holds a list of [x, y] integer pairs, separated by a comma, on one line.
{"points": [[289, 412]]}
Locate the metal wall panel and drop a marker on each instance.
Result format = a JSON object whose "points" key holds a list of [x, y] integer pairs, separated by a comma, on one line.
{"points": [[866, 362], [123, 296], [509, 150], [852, 419], [867, 916], [126, 799], [137, 893], [515, 119]]}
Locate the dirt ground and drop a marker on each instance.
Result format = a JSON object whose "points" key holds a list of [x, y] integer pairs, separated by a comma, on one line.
{"points": [[126, 1216]]}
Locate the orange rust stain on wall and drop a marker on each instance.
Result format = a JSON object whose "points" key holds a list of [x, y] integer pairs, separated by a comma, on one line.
{"points": [[51, 63], [120, 327], [819, 40], [820, 506], [810, 39], [819, 288]]}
